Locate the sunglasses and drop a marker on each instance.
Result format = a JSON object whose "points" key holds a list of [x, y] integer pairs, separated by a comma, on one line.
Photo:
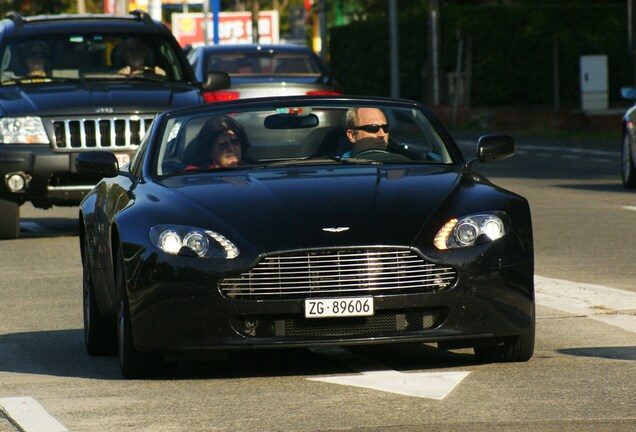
{"points": [[36, 54], [372, 128], [226, 144]]}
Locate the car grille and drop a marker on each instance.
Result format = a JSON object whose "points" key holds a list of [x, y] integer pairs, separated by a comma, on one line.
{"points": [[339, 272], [74, 134], [382, 323]]}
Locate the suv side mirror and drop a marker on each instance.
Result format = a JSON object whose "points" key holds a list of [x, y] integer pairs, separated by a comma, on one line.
{"points": [[216, 80]]}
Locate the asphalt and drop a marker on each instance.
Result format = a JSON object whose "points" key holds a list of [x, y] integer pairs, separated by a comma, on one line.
{"points": [[6, 425]]}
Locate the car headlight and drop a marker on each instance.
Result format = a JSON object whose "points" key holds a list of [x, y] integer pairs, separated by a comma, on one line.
{"points": [[22, 130], [470, 230], [190, 241]]}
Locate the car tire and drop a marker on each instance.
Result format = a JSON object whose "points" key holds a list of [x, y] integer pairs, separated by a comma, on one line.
{"points": [[10, 217], [134, 364], [518, 348], [628, 165], [99, 335]]}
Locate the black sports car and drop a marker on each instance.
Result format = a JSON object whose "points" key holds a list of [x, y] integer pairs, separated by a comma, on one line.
{"points": [[302, 222]]}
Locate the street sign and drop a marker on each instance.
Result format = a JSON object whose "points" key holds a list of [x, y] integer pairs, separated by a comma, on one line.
{"points": [[234, 28]]}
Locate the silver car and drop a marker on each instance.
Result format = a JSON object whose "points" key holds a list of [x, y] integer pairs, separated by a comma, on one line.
{"points": [[263, 70]]}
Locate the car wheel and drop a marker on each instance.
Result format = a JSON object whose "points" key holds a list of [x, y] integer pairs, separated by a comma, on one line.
{"points": [[133, 363], [518, 348], [99, 336], [628, 164], [10, 217]]}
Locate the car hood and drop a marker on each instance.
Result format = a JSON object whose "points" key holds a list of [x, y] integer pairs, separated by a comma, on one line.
{"points": [[293, 209], [84, 97]]}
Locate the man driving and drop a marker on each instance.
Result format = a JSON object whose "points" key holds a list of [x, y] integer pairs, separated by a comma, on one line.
{"points": [[367, 129]]}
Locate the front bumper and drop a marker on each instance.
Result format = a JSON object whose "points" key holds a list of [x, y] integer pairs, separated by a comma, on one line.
{"points": [[182, 311], [52, 179]]}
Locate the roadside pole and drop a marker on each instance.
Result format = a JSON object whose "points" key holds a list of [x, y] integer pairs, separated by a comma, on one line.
{"points": [[394, 53]]}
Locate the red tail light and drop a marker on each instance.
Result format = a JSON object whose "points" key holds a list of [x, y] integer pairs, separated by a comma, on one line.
{"points": [[324, 93], [220, 96]]}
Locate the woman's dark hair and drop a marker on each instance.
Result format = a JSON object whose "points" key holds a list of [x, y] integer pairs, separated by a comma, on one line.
{"points": [[217, 126]]}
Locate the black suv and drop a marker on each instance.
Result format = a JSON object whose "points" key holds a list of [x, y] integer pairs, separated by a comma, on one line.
{"points": [[69, 83]]}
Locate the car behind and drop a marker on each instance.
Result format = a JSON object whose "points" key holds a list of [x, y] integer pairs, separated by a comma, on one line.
{"points": [[263, 70]]}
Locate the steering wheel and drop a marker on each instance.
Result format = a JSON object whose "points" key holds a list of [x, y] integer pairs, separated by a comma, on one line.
{"points": [[142, 70], [380, 155], [370, 152]]}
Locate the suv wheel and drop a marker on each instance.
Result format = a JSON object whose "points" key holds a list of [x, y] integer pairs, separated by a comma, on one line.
{"points": [[10, 217]]}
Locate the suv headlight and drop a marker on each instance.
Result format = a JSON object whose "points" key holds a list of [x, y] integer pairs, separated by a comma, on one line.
{"points": [[190, 241], [22, 130], [471, 230]]}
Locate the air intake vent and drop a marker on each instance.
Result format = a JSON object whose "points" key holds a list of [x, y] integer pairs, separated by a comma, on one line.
{"points": [[339, 272]]}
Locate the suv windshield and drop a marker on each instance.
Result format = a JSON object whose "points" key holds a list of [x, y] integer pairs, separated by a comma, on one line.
{"points": [[86, 56]]}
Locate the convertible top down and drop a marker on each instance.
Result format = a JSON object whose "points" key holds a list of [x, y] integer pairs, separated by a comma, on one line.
{"points": [[322, 229]]}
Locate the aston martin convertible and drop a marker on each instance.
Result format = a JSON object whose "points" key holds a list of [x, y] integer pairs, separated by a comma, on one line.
{"points": [[302, 222]]}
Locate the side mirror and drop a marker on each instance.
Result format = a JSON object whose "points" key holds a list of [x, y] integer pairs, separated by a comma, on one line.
{"points": [[216, 80], [97, 163], [495, 147], [628, 93]]}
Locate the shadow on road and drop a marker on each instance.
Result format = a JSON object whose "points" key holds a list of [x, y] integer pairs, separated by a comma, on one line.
{"points": [[615, 353], [62, 353], [48, 227]]}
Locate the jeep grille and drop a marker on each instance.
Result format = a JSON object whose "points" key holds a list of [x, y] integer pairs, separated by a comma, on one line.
{"points": [[99, 133]]}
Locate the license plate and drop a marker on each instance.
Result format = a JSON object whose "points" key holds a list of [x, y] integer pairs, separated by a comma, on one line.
{"points": [[122, 158], [339, 307]]}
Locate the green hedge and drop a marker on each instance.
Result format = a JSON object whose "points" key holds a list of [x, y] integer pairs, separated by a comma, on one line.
{"points": [[512, 52]]}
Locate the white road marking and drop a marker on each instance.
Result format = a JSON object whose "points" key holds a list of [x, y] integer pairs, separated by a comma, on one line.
{"points": [[609, 305], [430, 385], [29, 415], [629, 208]]}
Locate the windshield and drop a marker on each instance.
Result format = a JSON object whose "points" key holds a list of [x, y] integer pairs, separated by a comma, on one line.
{"points": [[298, 135], [262, 63], [87, 56]]}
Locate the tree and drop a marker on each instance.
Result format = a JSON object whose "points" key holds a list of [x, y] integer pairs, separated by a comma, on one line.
{"points": [[39, 7], [35, 7]]}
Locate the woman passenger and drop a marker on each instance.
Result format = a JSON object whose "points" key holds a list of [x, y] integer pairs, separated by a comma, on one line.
{"points": [[223, 141]]}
